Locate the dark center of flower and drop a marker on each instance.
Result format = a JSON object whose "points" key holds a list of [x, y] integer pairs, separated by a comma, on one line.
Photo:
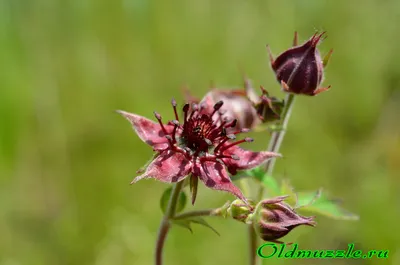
{"points": [[203, 133]]}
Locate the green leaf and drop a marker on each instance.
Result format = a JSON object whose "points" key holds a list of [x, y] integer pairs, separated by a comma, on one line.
{"points": [[181, 203], [183, 223], [305, 199], [186, 223], [321, 204], [268, 181], [201, 221]]}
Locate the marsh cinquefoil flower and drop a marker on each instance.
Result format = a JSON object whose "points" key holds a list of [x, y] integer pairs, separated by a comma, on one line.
{"points": [[197, 145]]}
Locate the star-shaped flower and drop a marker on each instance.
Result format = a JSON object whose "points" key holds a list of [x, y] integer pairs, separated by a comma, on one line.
{"points": [[198, 145]]}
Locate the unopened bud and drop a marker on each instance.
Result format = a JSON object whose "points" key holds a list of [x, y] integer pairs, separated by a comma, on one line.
{"points": [[274, 219], [239, 210], [300, 69]]}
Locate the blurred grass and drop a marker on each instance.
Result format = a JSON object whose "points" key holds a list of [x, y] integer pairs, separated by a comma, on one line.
{"points": [[66, 159]]}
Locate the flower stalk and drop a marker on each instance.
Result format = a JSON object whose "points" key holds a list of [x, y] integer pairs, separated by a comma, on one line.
{"points": [[273, 146], [205, 212], [165, 223]]}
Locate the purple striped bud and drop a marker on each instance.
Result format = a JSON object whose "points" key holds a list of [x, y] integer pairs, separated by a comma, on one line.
{"points": [[300, 69]]}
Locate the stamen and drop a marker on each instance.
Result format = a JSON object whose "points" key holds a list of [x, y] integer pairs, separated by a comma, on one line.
{"points": [[170, 140], [247, 139], [217, 106], [195, 108], [185, 113], [173, 102], [176, 125], [231, 124], [227, 137], [158, 117]]}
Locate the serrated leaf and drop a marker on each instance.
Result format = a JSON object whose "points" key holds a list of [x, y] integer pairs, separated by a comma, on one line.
{"points": [[325, 206], [181, 203], [186, 223]]}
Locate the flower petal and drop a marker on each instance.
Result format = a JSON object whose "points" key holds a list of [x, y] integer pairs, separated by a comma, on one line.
{"points": [[167, 167], [215, 176], [247, 159], [207, 104], [148, 131]]}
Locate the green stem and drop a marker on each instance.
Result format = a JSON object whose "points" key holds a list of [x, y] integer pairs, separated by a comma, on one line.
{"points": [[207, 212], [165, 223], [252, 245], [273, 146]]}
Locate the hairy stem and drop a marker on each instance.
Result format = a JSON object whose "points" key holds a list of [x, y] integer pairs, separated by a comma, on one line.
{"points": [[273, 146], [165, 223]]}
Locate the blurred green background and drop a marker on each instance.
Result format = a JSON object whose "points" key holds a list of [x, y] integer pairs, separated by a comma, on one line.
{"points": [[66, 158]]}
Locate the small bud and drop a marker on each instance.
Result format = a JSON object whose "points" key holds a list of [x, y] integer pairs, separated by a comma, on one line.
{"points": [[300, 70], [239, 210], [269, 108], [274, 219]]}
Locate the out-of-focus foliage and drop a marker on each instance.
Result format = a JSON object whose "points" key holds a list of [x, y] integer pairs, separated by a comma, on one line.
{"points": [[66, 159]]}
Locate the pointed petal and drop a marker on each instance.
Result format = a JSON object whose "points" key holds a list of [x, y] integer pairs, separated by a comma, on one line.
{"points": [[248, 159], [148, 131], [167, 167], [215, 176]]}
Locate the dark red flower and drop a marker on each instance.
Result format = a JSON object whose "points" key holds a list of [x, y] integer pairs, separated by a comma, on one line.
{"points": [[197, 145], [275, 219], [300, 69]]}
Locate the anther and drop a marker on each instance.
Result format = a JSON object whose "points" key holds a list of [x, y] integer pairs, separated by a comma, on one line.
{"points": [[218, 105], [158, 117], [231, 136]]}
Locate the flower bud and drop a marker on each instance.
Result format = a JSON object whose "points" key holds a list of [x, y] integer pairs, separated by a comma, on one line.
{"points": [[239, 210], [300, 69], [236, 106], [269, 108], [274, 219]]}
